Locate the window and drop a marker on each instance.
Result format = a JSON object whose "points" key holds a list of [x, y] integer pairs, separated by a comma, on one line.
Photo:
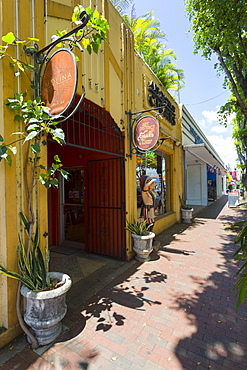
{"points": [[158, 166]]}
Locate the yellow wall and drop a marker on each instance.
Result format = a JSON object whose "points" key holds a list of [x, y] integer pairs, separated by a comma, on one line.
{"points": [[116, 79], [12, 193], [136, 76]]}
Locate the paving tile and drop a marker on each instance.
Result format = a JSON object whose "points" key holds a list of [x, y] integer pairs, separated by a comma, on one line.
{"points": [[40, 363], [28, 355], [101, 363], [58, 361], [150, 355], [114, 337], [122, 362], [154, 366], [135, 347], [136, 367], [175, 312], [135, 358], [17, 363]]}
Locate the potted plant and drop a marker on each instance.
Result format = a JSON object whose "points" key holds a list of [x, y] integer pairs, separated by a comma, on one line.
{"points": [[44, 291], [186, 211], [143, 239]]}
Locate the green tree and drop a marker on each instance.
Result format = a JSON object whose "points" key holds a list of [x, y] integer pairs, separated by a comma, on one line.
{"points": [[219, 28], [150, 43]]}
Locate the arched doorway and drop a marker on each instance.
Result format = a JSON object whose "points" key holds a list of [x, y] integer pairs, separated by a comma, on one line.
{"points": [[89, 210]]}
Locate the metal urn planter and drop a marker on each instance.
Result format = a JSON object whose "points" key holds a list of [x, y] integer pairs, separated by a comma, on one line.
{"points": [[187, 215], [46, 309], [143, 246]]}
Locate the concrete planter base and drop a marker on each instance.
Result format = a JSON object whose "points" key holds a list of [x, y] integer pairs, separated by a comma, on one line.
{"points": [[143, 246], [187, 215], [45, 310]]}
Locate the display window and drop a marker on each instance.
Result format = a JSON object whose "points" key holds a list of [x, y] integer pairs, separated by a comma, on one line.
{"points": [[158, 166]]}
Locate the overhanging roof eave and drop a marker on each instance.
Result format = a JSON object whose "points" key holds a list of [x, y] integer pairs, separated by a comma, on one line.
{"points": [[201, 151]]}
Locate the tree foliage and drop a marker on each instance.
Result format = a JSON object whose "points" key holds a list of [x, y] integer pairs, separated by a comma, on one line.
{"points": [[220, 28], [241, 257], [150, 43]]}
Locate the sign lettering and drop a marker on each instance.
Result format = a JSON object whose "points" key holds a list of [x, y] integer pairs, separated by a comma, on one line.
{"points": [[146, 133], [157, 99], [59, 81]]}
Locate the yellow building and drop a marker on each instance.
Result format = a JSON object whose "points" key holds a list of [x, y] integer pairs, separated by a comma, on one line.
{"points": [[90, 210]]}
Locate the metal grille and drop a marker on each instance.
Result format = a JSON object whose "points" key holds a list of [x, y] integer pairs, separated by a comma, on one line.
{"points": [[92, 127], [107, 208]]}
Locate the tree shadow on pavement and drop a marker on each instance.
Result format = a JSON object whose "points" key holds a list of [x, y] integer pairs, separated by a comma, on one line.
{"points": [[103, 306], [218, 339]]}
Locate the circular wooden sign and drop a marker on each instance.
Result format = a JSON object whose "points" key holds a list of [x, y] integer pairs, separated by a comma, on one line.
{"points": [[59, 81], [146, 133]]}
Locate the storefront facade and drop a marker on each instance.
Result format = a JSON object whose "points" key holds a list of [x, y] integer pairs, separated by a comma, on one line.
{"points": [[91, 209], [204, 171]]}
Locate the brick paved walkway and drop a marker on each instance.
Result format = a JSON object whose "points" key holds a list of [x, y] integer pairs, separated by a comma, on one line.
{"points": [[175, 312]]}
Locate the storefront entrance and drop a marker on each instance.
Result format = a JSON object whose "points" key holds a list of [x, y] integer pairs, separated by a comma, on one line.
{"points": [[89, 210], [106, 208], [72, 206]]}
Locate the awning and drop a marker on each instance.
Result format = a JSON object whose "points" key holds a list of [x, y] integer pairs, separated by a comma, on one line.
{"points": [[199, 153]]}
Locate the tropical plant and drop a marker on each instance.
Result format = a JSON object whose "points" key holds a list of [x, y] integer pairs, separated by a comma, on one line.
{"points": [[147, 40], [138, 228], [37, 125], [183, 203], [33, 266], [241, 257], [220, 29]]}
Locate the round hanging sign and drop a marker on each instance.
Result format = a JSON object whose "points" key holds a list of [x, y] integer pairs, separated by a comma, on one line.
{"points": [[146, 133], [59, 81]]}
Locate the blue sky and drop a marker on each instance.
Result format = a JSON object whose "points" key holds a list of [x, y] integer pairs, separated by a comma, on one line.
{"points": [[203, 93]]}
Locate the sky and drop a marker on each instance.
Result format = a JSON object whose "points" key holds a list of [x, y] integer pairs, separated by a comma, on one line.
{"points": [[203, 93]]}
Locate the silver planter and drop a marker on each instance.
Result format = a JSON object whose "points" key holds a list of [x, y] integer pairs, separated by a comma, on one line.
{"points": [[46, 309], [143, 246], [187, 215]]}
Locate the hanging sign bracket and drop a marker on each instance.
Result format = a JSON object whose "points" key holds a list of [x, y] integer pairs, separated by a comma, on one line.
{"points": [[58, 83], [149, 130]]}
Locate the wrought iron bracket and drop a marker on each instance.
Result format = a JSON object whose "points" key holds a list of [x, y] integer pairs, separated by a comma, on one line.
{"points": [[42, 56], [131, 122]]}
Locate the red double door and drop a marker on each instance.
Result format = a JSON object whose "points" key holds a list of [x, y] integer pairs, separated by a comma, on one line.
{"points": [[106, 208], [90, 211]]}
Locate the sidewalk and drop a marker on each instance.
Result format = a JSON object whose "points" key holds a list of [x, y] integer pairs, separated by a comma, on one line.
{"points": [[174, 312]]}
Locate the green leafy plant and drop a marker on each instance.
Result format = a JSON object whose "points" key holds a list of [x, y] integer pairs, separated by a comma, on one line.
{"points": [[183, 204], [138, 228], [241, 257], [219, 31], [149, 42], [95, 31], [36, 126], [6, 50], [33, 266]]}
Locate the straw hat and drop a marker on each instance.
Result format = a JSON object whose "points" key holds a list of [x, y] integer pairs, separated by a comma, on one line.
{"points": [[146, 181]]}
